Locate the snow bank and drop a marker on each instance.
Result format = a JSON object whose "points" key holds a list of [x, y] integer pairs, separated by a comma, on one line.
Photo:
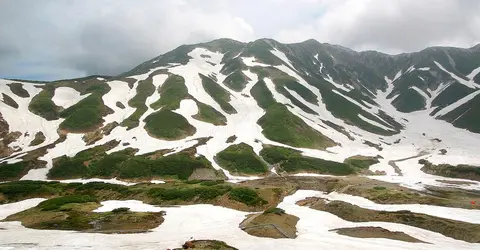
{"points": [[66, 97], [13, 208], [213, 222]]}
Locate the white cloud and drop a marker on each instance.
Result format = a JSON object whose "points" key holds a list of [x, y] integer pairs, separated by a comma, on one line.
{"points": [[78, 37], [392, 26]]}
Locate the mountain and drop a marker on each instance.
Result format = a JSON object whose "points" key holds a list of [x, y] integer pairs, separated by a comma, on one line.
{"points": [[232, 110]]}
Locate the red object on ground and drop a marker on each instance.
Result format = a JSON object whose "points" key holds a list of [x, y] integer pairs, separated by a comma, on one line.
{"points": [[473, 202]]}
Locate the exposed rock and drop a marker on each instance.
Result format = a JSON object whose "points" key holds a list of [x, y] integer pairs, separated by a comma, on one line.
{"points": [[9, 101], [376, 232], [94, 136], [39, 139], [270, 225], [231, 139], [120, 105], [207, 174], [5, 150]]}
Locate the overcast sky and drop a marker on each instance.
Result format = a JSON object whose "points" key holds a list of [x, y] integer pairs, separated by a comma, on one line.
{"points": [[55, 39]]}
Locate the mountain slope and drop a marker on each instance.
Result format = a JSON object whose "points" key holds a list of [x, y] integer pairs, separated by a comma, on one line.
{"points": [[323, 100]]}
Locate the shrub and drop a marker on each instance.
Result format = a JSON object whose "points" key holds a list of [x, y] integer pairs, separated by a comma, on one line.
{"points": [[379, 188], [221, 96], [172, 92], [43, 106], [187, 194], [240, 158], [20, 189], [292, 161], [12, 171], [262, 95], [166, 124], [282, 126], [246, 195], [56, 203], [208, 114]]}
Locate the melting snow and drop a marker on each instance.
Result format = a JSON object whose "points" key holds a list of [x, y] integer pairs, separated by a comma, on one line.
{"points": [[66, 97]]}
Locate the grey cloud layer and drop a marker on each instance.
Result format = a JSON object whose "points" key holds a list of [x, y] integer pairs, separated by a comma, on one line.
{"points": [[56, 39]]}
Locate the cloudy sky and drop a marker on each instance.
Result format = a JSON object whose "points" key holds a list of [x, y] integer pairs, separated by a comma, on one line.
{"points": [[55, 39]]}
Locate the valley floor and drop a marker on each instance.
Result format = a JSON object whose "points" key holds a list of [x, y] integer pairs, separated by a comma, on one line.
{"points": [[214, 222]]}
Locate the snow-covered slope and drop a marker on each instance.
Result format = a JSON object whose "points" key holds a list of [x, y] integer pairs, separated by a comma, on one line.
{"points": [[324, 86]]}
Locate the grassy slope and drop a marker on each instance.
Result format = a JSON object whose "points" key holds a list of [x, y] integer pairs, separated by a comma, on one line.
{"points": [[282, 126], [42, 105], [221, 96], [236, 81], [145, 89], [292, 161], [240, 159], [208, 114], [172, 92], [168, 125], [262, 95]]}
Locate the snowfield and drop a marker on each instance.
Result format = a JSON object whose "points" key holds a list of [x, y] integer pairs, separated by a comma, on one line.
{"points": [[66, 97], [213, 222], [422, 137]]}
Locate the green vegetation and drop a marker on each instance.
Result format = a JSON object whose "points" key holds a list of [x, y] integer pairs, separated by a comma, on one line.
{"points": [[456, 229], [466, 116], [13, 171], [87, 113], [165, 124], [208, 114], [451, 94], [189, 193], [446, 170], [221, 96], [179, 166], [262, 95], [43, 106], [81, 164], [261, 51], [39, 139], [233, 65], [344, 109], [123, 164], [240, 159], [20, 190], [361, 162], [9, 101], [282, 126], [145, 89], [236, 81], [292, 84], [76, 213], [172, 92], [409, 101], [17, 89], [274, 210], [291, 161], [56, 203], [247, 196], [283, 81]]}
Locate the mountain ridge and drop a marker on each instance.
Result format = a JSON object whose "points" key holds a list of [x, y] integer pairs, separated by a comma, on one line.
{"points": [[326, 101]]}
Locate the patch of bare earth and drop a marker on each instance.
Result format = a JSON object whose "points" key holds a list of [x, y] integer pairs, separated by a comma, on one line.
{"points": [[376, 232], [271, 225]]}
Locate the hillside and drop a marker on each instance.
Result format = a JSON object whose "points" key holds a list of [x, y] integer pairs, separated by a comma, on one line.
{"points": [[325, 101]]}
